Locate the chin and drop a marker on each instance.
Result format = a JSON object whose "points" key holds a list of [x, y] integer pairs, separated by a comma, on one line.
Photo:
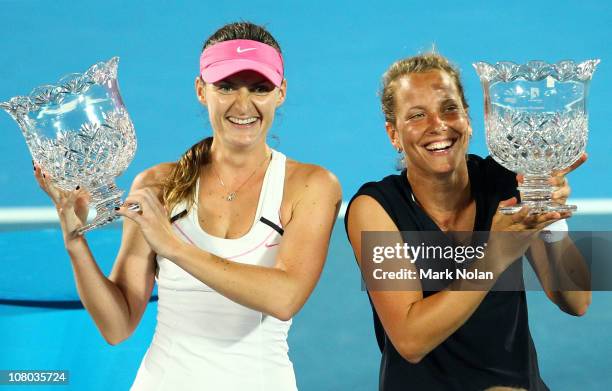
{"points": [[245, 140], [443, 166], [443, 170]]}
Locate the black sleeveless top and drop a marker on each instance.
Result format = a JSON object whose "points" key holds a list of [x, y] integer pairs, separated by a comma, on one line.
{"points": [[494, 347]]}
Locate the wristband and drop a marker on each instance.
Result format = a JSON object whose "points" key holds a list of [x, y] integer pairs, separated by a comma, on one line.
{"points": [[555, 232]]}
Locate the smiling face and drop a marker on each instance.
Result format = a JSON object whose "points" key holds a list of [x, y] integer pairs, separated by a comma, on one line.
{"points": [[431, 125], [241, 107]]}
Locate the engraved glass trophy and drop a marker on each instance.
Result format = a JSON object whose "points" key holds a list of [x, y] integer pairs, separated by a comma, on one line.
{"points": [[79, 131], [536, 122]]}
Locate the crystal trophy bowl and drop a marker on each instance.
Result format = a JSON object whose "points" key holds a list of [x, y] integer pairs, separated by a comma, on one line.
{"points": [[536, 122], [79, 131]]}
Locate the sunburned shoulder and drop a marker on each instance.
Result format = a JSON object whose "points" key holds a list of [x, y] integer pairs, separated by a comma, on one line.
{"points": [[305, 176], [153, 177]]}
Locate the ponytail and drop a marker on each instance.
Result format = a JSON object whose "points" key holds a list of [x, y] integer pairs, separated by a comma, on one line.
{"points": [[180, 184]]}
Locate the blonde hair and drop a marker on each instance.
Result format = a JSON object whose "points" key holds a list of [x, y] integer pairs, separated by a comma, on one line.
{"points": [[418, 64], [180, 184]]}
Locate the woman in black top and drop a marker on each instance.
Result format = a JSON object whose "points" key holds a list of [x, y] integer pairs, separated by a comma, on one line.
{"points": [[451, 340]]}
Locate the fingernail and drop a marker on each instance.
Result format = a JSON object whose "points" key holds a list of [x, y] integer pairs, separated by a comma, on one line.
{"points": [[78, 187]]}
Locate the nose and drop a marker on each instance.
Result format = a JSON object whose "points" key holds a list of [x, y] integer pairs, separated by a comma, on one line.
{"points": [[243, 99], [437, 123]]}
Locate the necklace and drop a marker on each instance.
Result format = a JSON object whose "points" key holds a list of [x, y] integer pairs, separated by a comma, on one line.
{"points": [[414, 199], [231, 195]]}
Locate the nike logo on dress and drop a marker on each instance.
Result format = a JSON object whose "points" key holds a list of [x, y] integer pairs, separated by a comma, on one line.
{"points": [[268, 245], [238, 50]]}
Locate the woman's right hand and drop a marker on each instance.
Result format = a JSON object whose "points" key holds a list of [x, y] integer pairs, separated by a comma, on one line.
{"points": [[72, 206]]}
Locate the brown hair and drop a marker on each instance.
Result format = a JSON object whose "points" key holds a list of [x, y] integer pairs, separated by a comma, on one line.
{"points": [[242, 30], [180, 183], [418, 64]]}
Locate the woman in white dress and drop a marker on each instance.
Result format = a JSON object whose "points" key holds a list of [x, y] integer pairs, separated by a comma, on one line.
{"points": [[234, 234]]}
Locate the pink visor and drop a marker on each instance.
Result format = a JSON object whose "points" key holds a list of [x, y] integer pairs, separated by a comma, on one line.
{"points": [[223, 59]]}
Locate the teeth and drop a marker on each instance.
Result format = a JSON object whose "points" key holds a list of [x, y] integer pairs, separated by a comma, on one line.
{"points": [[242, 121], [439, 145]]}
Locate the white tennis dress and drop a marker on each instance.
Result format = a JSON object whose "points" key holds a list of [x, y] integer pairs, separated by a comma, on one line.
{"points": [[204, 341]]}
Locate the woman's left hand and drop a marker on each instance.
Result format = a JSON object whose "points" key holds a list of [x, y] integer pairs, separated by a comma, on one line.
{"points": [[559, 180], [152, 219]]}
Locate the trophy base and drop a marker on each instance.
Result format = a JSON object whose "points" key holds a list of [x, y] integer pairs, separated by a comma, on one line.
{"points": [[538, 208], [536, 193], [104, 199]]}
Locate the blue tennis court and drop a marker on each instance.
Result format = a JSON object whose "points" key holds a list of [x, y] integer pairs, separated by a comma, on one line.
{"points": [[335, 54]]}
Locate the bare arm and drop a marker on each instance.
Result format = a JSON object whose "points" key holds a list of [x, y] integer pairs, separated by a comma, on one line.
{"points": [[563, 273], [559, 266], [280, 290], [116, 303], [416, 325]]}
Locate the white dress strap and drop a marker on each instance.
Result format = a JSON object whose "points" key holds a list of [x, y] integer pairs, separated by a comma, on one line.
{"points": [[273, 190]]}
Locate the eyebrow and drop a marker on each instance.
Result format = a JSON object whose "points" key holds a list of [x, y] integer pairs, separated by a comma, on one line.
{"points": [[223, 82], [449, 99], [445, 100], [263, 82], [416, 108]]}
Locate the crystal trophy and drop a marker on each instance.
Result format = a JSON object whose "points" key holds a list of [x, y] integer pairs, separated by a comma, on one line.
{"points": [[79, 131], [536, 123]]}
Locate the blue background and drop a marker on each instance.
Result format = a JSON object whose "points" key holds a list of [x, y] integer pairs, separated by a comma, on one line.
{"points": [[335, 54]]}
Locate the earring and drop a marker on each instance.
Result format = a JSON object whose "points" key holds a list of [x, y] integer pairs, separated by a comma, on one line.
{"points": [[399, 150]]}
